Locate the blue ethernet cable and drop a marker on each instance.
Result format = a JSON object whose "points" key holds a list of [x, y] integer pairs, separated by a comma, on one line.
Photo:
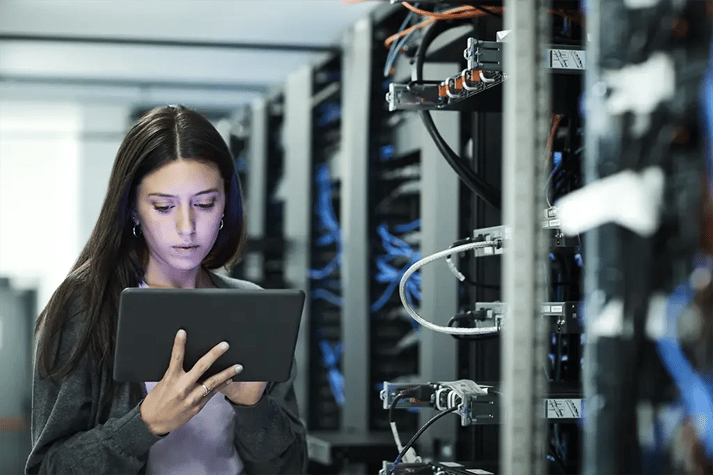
{"points": [[331, 355], [328, 221], [694, 391], [327, 296], [386, 273]]}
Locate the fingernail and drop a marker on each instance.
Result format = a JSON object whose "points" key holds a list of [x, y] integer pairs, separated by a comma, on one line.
{"points": [[181, 332], [238, 368], [224, 345]]}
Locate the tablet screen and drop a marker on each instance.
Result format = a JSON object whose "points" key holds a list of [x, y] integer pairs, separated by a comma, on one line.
{"points": [[261, 327]]}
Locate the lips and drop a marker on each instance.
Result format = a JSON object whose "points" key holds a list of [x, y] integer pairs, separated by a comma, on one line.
{"points": [[186, 247]]}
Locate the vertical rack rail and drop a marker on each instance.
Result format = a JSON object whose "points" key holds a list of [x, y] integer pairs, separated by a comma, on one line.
{"points": [[526, 108], [273, 256], [256, 186], [439, 227], [394, 197], [356, 65], [326, 338], [298, 134]]}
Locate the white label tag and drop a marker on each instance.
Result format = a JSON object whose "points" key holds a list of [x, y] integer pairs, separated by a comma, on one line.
{"points": [[567, 59], [557, 309], [564, 408]]}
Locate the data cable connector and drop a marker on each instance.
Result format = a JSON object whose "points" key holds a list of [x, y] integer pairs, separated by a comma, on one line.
{"points": [[561, 317], [479, 403], [446, 94], [501, 235], [471, 400], [498, 234], [484, 55], [552, 220], [459, 394], [432, 468], [488, 55], [415, 394]]}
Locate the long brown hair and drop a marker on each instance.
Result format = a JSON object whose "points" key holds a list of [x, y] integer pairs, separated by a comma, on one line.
{"points": [[113, 257]]}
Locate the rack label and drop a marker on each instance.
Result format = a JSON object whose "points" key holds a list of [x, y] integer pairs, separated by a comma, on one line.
{"points": [[564, 408], [567, 59]]}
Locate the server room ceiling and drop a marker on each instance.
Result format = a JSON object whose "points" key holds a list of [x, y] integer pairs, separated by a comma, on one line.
{"points": [[225, 51]]}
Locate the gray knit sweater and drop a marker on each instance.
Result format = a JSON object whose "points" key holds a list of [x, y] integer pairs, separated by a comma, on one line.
{"points": [[71, 435]]}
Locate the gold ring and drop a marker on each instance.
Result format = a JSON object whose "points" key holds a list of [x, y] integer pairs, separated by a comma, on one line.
{"points": [[206, 389]]}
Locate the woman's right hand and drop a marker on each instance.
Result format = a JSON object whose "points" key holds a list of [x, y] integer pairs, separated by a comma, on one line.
{"points": [[178, 396]]}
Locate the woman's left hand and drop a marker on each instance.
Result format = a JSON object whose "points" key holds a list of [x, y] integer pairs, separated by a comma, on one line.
{"points": [[244, 393]]}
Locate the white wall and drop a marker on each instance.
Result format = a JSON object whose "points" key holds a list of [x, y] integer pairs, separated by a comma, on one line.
{"points": [[55, 160], [103, 129], [39, 155]]}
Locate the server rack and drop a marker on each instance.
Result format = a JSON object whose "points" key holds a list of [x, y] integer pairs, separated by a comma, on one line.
{"points": [[394, 192], [17, 315], [326, 249], [642, 276], [412, 190], [275, 179], [481, 137]]}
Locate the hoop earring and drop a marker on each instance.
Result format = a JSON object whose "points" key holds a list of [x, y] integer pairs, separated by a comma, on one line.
{"points": [[134, 230], [221, 224]]}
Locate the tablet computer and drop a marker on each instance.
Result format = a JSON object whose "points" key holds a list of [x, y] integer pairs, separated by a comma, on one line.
{"points": [[261, 327]]}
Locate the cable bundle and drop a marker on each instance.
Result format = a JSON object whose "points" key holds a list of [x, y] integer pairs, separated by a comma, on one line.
{"points": [[331, 354], [396, 249], [328, 223]]}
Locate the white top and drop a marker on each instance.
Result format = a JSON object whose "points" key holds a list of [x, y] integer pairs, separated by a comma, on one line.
{"points": [[203, 445]]}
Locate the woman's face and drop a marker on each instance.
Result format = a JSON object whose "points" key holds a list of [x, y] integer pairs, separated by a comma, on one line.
{"points": [[179, 207]]}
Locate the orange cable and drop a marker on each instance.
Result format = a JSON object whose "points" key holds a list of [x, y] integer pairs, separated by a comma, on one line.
{"points": [[466, 11], [463, 12], [556, 119], [454, 13], [405, 32], [435, 14], [448, 13]]}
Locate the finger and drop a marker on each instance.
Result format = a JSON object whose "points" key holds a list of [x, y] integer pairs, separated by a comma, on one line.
{"points": [[204, 399], [218, 380], [178, 351], [206, 361], [223, 386]]}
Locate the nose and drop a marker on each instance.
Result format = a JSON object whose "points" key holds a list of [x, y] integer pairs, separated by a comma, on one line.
{"points": [[185, 221]]}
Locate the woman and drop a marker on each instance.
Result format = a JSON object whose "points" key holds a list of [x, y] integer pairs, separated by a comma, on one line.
{"points": [[171, 214]]}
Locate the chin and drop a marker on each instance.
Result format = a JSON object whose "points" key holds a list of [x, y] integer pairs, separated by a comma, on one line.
{"points": [[185, 264]]}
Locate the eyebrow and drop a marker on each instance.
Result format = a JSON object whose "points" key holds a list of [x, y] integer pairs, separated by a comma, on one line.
{"points": [[164, 195]]}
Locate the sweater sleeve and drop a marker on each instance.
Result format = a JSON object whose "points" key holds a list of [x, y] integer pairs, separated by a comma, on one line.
{"points": [[269, 436], [66, 435]]}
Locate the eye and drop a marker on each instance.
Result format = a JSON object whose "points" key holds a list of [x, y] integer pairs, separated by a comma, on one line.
{"points": [[206, 205], [162, 209]]}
